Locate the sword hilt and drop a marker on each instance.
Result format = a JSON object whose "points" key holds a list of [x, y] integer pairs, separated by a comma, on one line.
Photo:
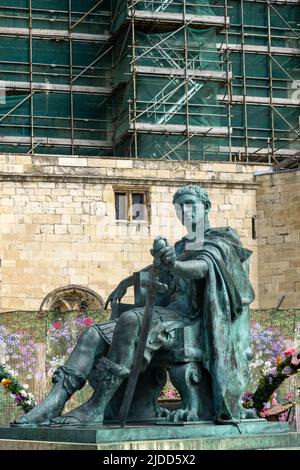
{"points": [[154, 285]]}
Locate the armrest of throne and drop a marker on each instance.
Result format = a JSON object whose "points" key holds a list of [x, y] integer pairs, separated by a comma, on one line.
{"points": [[140, 295]]}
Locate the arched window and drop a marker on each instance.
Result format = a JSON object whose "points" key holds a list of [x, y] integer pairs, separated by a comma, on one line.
{"points": [[72, 298]]}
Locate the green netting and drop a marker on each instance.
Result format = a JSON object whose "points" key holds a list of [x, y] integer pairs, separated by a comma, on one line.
{"points": [[51, 64], [13, 101], [55, 15], [194, 7], [170, 100], [14, 49], [167, 50], [284, 23], [173, 147], [164, 99], [283, 69], [17, 3], [259, 119], [92, 116], [59, 5], [256, 14]]}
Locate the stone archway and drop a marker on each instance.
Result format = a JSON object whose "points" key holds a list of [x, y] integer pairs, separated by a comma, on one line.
{"points": [[72, 298]]}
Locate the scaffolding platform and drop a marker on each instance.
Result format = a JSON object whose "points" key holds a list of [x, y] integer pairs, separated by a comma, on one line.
{"points": [[194, 74], [179, 18], [178, 129]]}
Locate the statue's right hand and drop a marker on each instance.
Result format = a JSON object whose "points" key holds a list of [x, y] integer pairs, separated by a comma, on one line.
{"points": [[117, 294]]}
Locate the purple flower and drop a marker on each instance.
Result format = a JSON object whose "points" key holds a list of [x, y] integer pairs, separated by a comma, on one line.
{"points": [[248, 396], [287, 370], [266, 405], [18, 398], [273, 372]]}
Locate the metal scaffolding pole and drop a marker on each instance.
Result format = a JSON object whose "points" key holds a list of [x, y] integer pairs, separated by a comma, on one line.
{"points": [[134, 85], [270, 80], [17, 106], [71, 76], [229, 83], [244, 82], [85, 15], [31, 78], [283, 19], [91, 64]]}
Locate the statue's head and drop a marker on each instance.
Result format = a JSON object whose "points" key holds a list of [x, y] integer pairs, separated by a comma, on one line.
{"points": [[192, 206]]}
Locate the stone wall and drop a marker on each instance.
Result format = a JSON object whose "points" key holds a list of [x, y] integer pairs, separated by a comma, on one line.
{"points": [[58, 219], [278, 231]]}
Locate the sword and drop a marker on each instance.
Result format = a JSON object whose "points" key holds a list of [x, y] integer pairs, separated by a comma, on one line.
{"points": [[153, 286]]}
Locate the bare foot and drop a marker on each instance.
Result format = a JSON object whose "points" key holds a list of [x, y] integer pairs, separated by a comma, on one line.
{"points": [[50, 407], [88, 413]]}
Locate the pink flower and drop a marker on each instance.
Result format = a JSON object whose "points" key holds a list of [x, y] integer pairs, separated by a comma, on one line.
{"points": [[295, 360], [274, 401], [262, 414], [290, 352], [88, 321], [57, 324], [289, 396]]}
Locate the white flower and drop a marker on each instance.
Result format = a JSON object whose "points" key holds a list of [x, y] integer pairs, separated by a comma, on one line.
{"points": [[26, 386], [23, 393], [13, 396]]}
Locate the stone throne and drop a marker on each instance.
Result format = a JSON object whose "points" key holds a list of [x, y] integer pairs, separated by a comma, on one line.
{"points": [[183, 367]]}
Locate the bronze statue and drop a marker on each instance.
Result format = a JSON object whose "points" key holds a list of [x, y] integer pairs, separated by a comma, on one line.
{"points": [[199, 330]]}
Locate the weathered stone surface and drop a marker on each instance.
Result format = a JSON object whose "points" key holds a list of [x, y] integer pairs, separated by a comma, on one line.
{"points": [[278, 236], [252, 434], [56, 212]]}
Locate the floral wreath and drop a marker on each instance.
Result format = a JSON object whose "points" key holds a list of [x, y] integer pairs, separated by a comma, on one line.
{"points": [[18, 392], [269, 382]]}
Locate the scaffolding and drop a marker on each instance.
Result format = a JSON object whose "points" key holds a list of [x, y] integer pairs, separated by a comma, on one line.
{"points": [[169, 74], [55, 73], [206, 80], [264, 47], [165, 79]]}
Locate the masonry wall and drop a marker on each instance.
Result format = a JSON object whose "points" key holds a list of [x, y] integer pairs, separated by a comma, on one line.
{"points": [[58, 219], [278, 231]]}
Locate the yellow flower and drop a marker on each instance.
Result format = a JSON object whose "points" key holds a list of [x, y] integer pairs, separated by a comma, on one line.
{"points": [[278, 361], [6, 382]]}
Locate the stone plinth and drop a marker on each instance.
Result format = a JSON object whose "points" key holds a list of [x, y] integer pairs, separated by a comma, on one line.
{"points": [[251, 434]]}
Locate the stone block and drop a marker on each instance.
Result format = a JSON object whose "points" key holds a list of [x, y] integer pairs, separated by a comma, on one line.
{"points": [[75, 162], [124, 163]]}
